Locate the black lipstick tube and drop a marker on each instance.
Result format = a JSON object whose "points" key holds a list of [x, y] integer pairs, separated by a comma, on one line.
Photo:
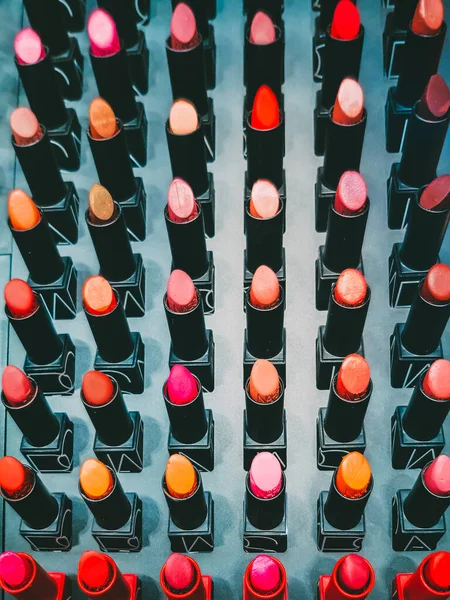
{"points": [[343, 512], [265, 419], [264, 239], [46, 101], [188, 422], [265, 513], [422, 507], [187, 513], [187, 244], [112, 511], [394, 35], [115, 86], [187, 331], [424, 416], [265, 328], [341, 59], [123, 269], [321, 24], [265, 153]]}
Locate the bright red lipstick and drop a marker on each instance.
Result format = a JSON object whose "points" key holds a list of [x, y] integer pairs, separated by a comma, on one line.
{"points": [[266, 112], [346, 21], [436, 383], [437, 476]]}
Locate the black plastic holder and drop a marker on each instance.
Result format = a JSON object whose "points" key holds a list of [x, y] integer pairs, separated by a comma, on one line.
{"points": [[126, 539], [278, 361], [200, 539], [209, 54], [128, 373], [129, 456], [208, 124], [325, 279], [393, 48], [277, 447], [396, 122], [132, 290], [318, 48], [403, 281], [63, 217], [205, 285], [330, 452], [138, 59], [74, 14], [136, 132], [269, 541], [135, 210], [399, 198], [60, 297], [202, 367], [332, 539], [56, 457], [57, 537], [69, 67], [406, 537], [66, 143], [408, 453], [248, 276], [282, 193], [327, 364], [407, 367], [56, 378], [208, 202], [323, 199], [321, 117], [142, 9], [200, 453]]}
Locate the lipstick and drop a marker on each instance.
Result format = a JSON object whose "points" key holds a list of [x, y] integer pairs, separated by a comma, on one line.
{"points": [[50, 358], [394, 36], [22, 577], [265, 577], [264, 415], [181, 577], [341, 525], [98, 576], [341, 58], [186, 141], [421, 55], [429, 581], [340, 427], [352, 577], [56, 198], [46, 519], [421, 150], [416, 430], [191, 431], [417, 343], [265, 335], [124, 270], [265, 521], [192, 345], [120, 352], [343, 146], [109, 146], [117, 524], [342, 334], [52, 277], [186, 61], [112, 74], [38, 77], [186, 232], [119, 434], [191, 510], [347, 221], [47, 441], [428, 216], [418, 520], [47, 19]]}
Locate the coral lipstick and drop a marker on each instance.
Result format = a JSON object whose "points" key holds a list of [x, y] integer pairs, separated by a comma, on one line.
{"points": [[180, 578], [181, 293], [265, 113], [98, 576], [436, 382], [428, 17], [264, 383], [102, 120], [20, 299], [265, 577], [352, 577], [429, 581], [17, 387], [265, 289]]}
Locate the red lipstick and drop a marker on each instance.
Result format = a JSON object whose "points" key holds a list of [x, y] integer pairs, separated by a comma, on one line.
{"points": [[181, 579], [352, 578], [100, 578], [20, 299], [265, 113], [346, 21], [183, 28], [265, 579], [430, 581]]}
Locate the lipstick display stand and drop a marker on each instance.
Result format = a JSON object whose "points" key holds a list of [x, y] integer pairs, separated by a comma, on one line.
{"points": [[226, 563]]}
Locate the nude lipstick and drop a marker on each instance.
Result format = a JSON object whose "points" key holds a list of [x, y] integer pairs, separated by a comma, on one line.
{"points": [[264, 415], [421, 150], [418, 521], [181, 578], [99, 577], [340, 427], [46, 519], [421, 55], [265, 578], [416, 429], [352, 577], [347, 221], [186, 232], [22, 577], [430, 581], [341, 524], [265, 522], [50, 358], [120, 352], [186, 61], [394, 36], [428, 215], [342, 334], [186, 141], [191, 510], [417, 343], [192, 345], [117, 524], [47, 441], [343, 146], [57, 199], [112, 74], [38, 77], [109, 146], [52, 277], [265, 335], [341, 58], [118, 264], [191, 431], [119, 434]]}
